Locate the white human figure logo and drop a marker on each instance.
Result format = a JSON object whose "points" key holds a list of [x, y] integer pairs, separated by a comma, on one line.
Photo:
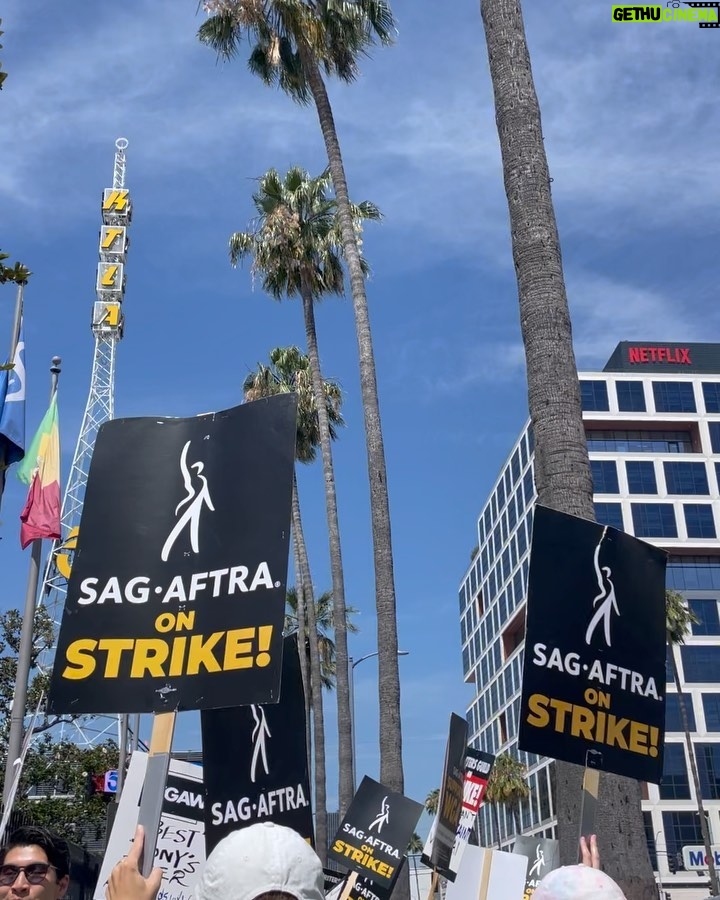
{"points": [[382, 817], [197, 497], [260, 732], [606, 599], [539, 862]]}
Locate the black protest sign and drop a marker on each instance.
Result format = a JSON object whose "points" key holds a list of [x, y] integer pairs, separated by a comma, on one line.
{"points": [[367, 889], [177, 591], [255, 761], [543, 856], [374, 835], [332, 879], [439, 847], [594, 668]]}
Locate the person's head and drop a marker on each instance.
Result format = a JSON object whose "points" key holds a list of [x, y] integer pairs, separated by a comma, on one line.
{"points": [[34, 865], [262, 862], [577, 883]]}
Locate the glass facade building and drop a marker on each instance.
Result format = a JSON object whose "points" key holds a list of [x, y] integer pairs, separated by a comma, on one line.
{"points": [[652, 420]]}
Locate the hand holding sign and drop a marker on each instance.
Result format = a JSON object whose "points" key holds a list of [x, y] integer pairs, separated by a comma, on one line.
{"points": [[126, 882]]}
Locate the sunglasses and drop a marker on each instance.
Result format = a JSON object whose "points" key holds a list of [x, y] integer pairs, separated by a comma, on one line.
{"points": [[35, 873]]}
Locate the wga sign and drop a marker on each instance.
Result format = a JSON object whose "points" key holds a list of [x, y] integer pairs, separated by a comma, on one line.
{"points": [[706, 14]]}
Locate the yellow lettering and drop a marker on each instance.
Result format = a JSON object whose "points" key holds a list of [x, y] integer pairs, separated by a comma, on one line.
{"points": [[582, 722], [200, 653], [339, 846], [639, 734], [614, 735], [356, 855], [539, 716], [108, 277], [79, 654], [110, 236], [185, 621], [115, 199], [178, 656], [114, 648], [149, 655], [238, 648]]}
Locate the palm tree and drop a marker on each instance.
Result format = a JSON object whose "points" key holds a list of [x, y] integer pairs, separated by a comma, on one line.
{"points": [[290, 371], [562, 471], [295, 246], [432, 800], [324, 624], [679, 617], [293, 40], [508, 786]]}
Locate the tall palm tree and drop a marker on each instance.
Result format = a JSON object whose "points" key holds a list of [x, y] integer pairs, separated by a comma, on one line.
{"points": [[508, 786], [293, 42], [679, 617], [562, 470], [324, 625], [432, 800], [290, 371], [296, 249]]}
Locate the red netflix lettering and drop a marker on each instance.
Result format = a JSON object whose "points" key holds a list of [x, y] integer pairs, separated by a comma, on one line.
{"points": [[678, 356]]}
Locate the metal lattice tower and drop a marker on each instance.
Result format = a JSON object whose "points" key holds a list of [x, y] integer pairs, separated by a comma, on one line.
{"points": [[107, 328]]}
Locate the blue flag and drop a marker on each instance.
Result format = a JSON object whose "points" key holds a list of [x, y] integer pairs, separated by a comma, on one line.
{"points": [[12, 407]]}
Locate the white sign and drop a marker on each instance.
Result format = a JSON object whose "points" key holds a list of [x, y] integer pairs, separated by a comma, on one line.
{"points": [[694, 856], [488, 875], [180, 850]]}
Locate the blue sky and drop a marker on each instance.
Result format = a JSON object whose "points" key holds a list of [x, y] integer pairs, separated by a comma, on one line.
{"points": [[631, 131]]}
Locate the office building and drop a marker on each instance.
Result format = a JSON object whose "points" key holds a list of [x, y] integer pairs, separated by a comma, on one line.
{"points": [[652, 420]]}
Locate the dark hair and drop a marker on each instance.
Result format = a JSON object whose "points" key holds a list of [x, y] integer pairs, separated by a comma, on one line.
{"points": [[56, 849]]}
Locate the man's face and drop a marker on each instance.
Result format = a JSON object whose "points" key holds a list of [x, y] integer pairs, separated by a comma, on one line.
{"points": [[21, 889]]}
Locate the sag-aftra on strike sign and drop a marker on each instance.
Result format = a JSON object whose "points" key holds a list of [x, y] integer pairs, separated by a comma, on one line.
{"points": [[594, 667], [177, 591]]}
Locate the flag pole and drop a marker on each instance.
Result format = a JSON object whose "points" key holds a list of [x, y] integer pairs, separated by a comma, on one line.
{"points": [[17, 715]]}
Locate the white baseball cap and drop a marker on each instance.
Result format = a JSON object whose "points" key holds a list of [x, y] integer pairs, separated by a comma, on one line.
{"points": [[577, 883], [260, 858]]}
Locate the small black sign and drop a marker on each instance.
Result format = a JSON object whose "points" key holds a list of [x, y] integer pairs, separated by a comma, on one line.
{"points": [[373, 837], [177, 591], [450, 802], [543, 856], [366, 889], [594, 669], [255, 761]]}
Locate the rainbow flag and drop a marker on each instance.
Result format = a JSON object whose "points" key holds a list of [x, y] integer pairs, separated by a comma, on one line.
{"points": [[41, 470]]}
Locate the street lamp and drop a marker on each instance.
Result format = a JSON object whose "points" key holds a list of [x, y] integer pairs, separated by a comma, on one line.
{"points": [[351, 667]]}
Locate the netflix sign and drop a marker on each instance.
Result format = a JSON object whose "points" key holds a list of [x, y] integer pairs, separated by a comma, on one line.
{"points": [[631, 356]]}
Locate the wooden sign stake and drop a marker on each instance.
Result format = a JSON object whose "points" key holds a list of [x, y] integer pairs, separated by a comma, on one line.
{"points": [[590, 789], [348, 886], [485, 874], [153, 793], [433, 884]]}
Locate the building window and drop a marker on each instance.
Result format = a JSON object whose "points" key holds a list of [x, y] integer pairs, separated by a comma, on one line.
{"points": [[699, 520], [675, 783], [693, 573], [708, 763], [673, 714], [641, 477], [711, 393], [711, 708], [674, 396], [631, 396], [594, 396], [714, 428], [604, 476], [706, 612], [609, 514], [686, 478], [621, 441], [654, 520], [700, 664], [681, 828]]}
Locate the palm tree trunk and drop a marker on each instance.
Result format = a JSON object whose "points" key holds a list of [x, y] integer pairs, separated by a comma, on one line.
{"points": [[302, 634], [391, 767], [516, 818], [696, 779], [562, 472], [321, 836], [342, 682]]}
